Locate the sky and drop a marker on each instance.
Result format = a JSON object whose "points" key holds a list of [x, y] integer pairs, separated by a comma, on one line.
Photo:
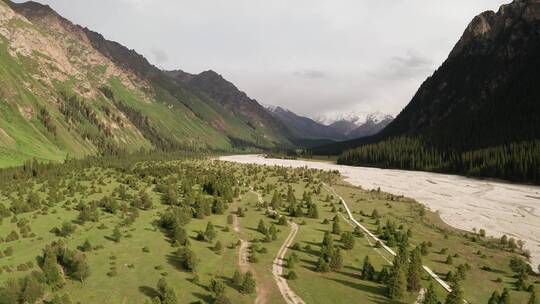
{"points": [[314, 57]]}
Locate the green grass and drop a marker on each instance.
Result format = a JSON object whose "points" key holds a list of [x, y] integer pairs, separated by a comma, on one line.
{"points": [[138, 271]]}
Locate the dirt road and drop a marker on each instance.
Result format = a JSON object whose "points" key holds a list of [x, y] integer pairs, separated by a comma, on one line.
{"points": [[277, 269], [245, 266]]}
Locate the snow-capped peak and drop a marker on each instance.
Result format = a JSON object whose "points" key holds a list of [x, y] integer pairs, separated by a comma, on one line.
{"points": [[358, 118]]}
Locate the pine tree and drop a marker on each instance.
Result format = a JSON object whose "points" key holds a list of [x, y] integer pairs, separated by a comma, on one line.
{"points": [[51, 270], [322, 265], [180, 236], [347, 239], [210, 232], [262, 227], [290, 195], [248, 286], [276, 200], [273, 232], [313, 211], [456, 295], [335, 228], [237, 278], [430, 297], [336, 261], [397, 281], [81, 269], [218, 248], [414, 274], [32, 290], [368, 271]]}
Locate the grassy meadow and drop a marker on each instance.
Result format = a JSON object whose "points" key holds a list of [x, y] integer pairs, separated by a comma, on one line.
{"points": [[133, 247]]}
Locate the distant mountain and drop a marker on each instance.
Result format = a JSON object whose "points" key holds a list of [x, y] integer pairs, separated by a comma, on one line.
{"points": [[356, 125], [302, 127], [66, 90], [370, 127], [356, 118], [478, 114]]}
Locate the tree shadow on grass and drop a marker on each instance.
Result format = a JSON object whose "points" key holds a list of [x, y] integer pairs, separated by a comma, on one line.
{"points": [[228, 281], [377, 292], [205, 297], [200, 285], [349, 274], [149, 291], [313, 243], [312, 265]]}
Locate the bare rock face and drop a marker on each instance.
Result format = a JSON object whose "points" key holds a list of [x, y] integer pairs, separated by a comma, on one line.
{"points": [[489, 26]]}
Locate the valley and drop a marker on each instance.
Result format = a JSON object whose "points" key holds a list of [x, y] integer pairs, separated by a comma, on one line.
{"points": [[465, 203], [126, 179], [198, 226]]}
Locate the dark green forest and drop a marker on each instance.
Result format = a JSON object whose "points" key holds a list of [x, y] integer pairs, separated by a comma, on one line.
{"points": [[518, 162]]}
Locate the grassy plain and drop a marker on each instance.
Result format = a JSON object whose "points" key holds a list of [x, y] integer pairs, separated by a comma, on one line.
{"points": [[138, 269]]}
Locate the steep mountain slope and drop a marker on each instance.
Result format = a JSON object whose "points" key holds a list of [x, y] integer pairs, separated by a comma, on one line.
{"points": [[479, 113], [212, 85], [302, 127], [65, 90]]}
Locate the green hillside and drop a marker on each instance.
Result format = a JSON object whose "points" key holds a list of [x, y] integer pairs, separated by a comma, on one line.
{"points": [[65, 90]]}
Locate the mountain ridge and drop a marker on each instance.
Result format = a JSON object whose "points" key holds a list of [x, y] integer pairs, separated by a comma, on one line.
{"points": [[69, 91], [478, 114]]}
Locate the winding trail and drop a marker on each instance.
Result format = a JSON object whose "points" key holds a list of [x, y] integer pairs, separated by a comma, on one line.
{"points": [[288, 294], [277, 269], [245, 266], [421, 296]]}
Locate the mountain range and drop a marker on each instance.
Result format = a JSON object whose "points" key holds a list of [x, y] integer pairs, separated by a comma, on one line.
{"points": [[337, 128], [478, 114], [66, 90]]}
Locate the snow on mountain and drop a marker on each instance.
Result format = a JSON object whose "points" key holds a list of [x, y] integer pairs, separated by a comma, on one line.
{"points": [[357, 118]]}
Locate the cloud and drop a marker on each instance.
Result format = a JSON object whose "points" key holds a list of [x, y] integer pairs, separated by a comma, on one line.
{"points": [[311, 56], [412, 60], [412, 65], [311, 74]]}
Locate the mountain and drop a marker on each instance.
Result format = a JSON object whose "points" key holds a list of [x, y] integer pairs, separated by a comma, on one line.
{"points": [[66, 90], [356, 125], [370, 127], [478, 114], [302, 127]]}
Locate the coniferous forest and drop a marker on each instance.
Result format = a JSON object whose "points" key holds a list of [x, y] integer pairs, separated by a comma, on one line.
{"points": [[518, 162]]}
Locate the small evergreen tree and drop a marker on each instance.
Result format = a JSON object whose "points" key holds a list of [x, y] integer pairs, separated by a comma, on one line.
{"points": [[456, 295], [414, 274], [237, 278], [262, 227], [347, 239], [368, 271], [210, 232], [430, 296], [248, 285]]}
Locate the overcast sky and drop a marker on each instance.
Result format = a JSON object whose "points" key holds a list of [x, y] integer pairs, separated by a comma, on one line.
{"points": [[311, 56]]}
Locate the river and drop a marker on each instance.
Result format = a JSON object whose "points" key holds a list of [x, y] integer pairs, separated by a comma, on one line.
{"points": [[465, 203]]}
